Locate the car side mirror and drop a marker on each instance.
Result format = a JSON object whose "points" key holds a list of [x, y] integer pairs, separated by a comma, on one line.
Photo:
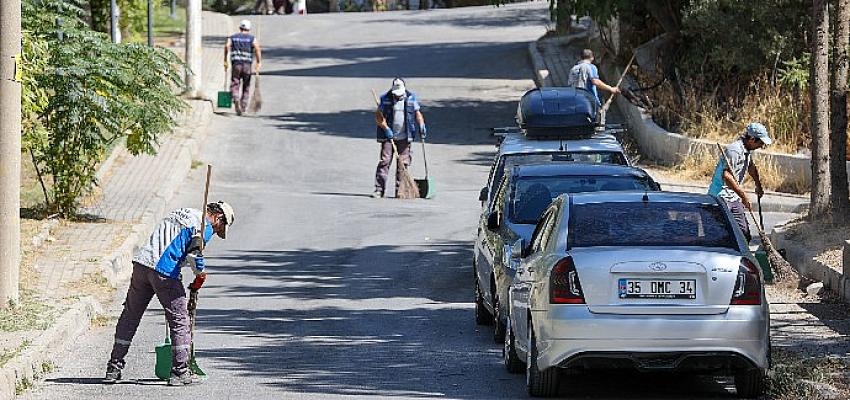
{"points": [[482, 196], [516, 249], [494, 221]]}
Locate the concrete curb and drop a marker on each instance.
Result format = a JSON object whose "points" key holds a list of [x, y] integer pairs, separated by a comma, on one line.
{"points": [[804, 262], [38, 358], [118, 266]]}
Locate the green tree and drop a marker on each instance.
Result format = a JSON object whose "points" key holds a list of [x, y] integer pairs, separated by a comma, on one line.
{"points": [[97, 93]]}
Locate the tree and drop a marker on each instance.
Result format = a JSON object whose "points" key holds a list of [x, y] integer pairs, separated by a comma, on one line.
{"points": [[821, 193], [561, 12], [838, 143], [97, 93]]}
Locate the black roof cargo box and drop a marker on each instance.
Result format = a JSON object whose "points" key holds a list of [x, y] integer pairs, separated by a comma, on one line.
{"points": [[557, 111]]}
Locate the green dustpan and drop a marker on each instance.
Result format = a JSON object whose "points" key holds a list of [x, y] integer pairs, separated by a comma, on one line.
{"points": [[425, 186], [163, 355], [163, 362], [225, 98]]}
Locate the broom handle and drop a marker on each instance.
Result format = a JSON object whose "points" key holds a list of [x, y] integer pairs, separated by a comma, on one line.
{"points": [[424, 159], [729, 168], [204, 207], [625, 71]]}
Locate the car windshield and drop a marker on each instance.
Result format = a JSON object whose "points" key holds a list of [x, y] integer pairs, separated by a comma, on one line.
{"points": [[650, 224], [531, 195], [509, 161]]}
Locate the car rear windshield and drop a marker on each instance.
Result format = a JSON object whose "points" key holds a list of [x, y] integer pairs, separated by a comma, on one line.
{"points": [[531, 195], [509, 161], [650, 224]]}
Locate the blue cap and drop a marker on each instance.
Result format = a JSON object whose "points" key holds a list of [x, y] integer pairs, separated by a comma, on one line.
{"points": [[758, 131]]}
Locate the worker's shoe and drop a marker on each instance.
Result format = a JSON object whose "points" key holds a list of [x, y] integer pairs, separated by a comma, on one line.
{"points": [[186, 378], [113, 374], [377, 194]]}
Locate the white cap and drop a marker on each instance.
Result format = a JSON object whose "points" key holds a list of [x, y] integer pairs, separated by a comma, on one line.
{"points": [[229, 215], [245, 24], [398, 88]]}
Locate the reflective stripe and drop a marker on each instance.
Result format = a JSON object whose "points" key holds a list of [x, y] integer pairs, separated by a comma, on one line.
{"points": [[122, 342], [180, 347]]}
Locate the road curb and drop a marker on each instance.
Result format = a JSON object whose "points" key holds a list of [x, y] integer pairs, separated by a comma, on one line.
{"points": [[803, 260], [39, 357]]}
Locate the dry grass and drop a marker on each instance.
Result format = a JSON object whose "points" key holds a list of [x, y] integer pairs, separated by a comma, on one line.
{"points": [[794, 377], [699, 114], [94, 284]]}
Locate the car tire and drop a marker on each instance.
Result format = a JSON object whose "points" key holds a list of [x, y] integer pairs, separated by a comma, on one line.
{"points": [[512, 360], [540, 383], [482, 316], [749, 383], [498, 325]]}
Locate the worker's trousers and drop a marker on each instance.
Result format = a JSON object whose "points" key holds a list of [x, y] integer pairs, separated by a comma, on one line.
{"points": [[144, 283], [240, 85], [383, 170]]}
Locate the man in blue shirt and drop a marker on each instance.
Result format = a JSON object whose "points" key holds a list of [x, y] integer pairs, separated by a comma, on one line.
{"points": [[585, 75], [729, 185], [398, 119], [175, 243]]}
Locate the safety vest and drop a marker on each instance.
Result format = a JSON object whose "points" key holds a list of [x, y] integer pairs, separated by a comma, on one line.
{"points": [[242, 48], [386, 107]]}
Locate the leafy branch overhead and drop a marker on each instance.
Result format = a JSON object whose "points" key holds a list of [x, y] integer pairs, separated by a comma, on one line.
{"points": [[83, 93]]}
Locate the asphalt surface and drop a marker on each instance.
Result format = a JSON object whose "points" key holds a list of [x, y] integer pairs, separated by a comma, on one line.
{"points": [[321, 292]]}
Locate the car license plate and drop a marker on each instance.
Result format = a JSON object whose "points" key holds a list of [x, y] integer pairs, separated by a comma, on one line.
{"points": [[657, 288]]}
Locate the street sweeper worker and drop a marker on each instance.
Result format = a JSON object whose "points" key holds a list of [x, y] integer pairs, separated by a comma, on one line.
{"points": [[585, 75], [729, 185], [398, 118], [174, 244], [242, 49]]}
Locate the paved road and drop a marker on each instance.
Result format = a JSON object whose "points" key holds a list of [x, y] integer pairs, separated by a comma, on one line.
{"points": [[322, 292]]}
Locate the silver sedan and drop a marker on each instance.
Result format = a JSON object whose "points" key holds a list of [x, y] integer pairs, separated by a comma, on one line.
{"points": [[648, 281]]}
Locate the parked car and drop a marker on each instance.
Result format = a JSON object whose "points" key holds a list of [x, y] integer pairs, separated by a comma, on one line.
{"points": [[516, 149], [520, 200], [649, 281]]}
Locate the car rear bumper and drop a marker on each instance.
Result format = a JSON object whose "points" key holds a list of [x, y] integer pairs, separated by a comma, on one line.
{"points": [[571, 336]]}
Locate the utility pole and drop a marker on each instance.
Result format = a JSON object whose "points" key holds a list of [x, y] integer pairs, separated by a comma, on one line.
{"points": [[10, 152], [114, 31], [150, 23], [193, 47]]}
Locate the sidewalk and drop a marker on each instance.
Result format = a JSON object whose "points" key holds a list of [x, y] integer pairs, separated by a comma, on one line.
{"points": [[82, 263]]}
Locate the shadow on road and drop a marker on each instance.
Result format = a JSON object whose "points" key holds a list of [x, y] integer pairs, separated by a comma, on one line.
{"points": [[463, 122]]}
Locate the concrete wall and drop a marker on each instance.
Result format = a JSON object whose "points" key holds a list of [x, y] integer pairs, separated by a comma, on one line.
{"points": [[668, 148]]}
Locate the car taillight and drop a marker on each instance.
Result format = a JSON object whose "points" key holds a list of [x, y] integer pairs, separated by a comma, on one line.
{"points": [[747, 285], [564, 286]]}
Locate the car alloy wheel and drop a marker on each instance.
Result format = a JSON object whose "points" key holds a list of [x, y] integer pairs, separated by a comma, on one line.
{"points": [[540, 383], [482, 316], [498, 325], [512, 361]]}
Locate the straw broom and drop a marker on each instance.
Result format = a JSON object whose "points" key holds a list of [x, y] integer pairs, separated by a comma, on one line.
{"points": [[782, 268], [407, 188], [256, 96]]}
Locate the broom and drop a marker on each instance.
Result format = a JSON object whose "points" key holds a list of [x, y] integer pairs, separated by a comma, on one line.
{"points": [[604, 110], [407, 188], [256, 96], [782, 269]]}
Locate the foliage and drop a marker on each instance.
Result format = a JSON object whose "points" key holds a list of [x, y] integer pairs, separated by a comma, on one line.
{"points": [[794, 73], [97, 93], [730, 41]]}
